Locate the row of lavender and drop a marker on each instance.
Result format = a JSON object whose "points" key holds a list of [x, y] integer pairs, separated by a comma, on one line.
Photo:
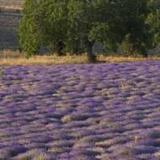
{"points": [[80, 112]]}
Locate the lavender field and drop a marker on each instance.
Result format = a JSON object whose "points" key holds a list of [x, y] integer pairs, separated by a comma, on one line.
{"points": [[80, 112]]}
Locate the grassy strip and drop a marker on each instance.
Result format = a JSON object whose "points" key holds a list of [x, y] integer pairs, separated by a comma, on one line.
{"points": [[14, 58]]}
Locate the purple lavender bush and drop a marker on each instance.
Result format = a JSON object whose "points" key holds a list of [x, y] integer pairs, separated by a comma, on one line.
{"points": [[80, 112]]}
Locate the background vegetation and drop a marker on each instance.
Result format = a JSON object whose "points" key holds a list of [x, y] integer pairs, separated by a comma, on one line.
{"points": [[74, 26]]}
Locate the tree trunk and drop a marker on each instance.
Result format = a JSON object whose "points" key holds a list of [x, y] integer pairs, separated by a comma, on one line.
{"points": [[90, 55], [60, 48], [145, 55]]}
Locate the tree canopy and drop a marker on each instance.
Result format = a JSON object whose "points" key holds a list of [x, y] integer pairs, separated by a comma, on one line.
{"points": [[76, 25]]}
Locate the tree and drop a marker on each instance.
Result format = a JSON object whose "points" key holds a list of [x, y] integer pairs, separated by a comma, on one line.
{"points": [[134, 30], [81, 17], [68, 21], [92, 21], [52, 24], [87, 23], [153, 20], [76, 25], [113, 23], [28, 36]]}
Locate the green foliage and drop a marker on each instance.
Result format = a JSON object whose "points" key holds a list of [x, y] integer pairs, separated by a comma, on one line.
{"points": [[133, 29], [29, 38], [153, 20], [76, 25], [52, 19], [86, 21]]}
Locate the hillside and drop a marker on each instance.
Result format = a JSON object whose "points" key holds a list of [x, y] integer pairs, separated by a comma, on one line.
{"points": [[11, 4], [9, 19], [8, 28]]}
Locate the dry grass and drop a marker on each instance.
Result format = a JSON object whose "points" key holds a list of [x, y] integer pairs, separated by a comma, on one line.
{"points": [[11, 4], [15, 58], [119, 59], [11, 8]]}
